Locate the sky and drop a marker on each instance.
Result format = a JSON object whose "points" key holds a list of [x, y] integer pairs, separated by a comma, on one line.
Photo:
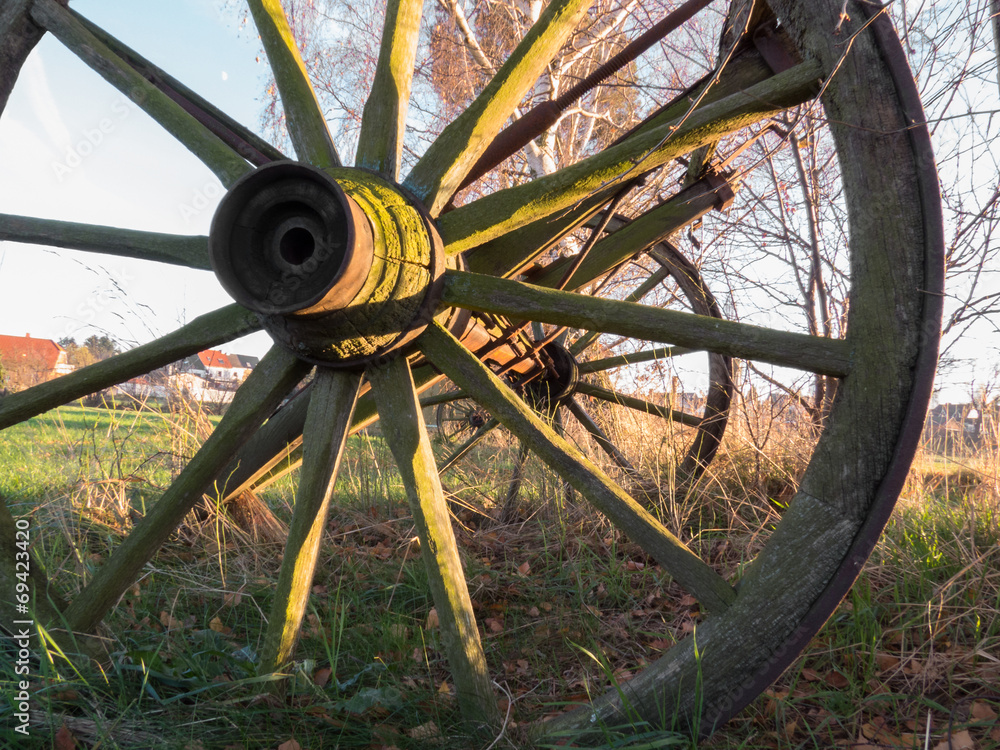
{"points": [[73, 148]]}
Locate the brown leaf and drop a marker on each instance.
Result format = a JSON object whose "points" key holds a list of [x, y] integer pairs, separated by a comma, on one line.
{"points": [[810, 675], [216, 625], [632, 565], [886, 662], [533, 612], [322, 676], [169, 621], [424, 731], [290, 745], [524, 568], [959, 741], [981, 711], [433, 621], [65, 739], [494, 625], [836, 680]]}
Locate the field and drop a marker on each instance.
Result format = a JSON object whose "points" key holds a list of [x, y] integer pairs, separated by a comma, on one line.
{"points": [[566, 606]]}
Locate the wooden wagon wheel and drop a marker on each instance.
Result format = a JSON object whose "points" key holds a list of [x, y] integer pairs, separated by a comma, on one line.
{"points": [[348, 268]]}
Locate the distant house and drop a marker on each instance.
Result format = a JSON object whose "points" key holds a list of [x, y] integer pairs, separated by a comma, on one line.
{"points": [[27, 361], [221, 369]]}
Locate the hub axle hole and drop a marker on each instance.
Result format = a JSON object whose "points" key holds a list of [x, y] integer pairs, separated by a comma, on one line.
{"points": [[297, 245]]}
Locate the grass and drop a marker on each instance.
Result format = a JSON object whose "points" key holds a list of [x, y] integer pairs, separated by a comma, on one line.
{"points": [[566, 606]]}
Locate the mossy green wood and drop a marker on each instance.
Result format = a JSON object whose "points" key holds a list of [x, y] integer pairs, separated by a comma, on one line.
{"points": [[647, 355], [516, 299], [494, 215], [227, 165], [204, 332], [380, 143], [270, 381], [180, 250], [331, 408], [614, 397], [404, 430], [18, 36], [19, 564], [616, 247], [896, 249], [510, 253], [448, 354], [636, 295], [303, 115], [439, 172]]}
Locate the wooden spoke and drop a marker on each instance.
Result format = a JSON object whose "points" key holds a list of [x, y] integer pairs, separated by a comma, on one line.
{"points": [[468, 445], [380, 144], [494, 215], [509, 254], [519, 300], [227, 165], [654, 226], [179, 250], [270, 381], [441, 398], [331, 408], [585, 341], [638, 404], [276, 448], [203, 332], [648, 355], [404, 430], [241, 139], [448, 354], [436, 177], [303, 115]]}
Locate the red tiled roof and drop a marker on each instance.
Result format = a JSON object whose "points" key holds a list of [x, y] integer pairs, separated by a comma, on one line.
{"points": [[213, 358], [38, 352]]}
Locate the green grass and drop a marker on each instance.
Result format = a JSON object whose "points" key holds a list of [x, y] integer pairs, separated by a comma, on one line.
{"points": [[566, 606]]}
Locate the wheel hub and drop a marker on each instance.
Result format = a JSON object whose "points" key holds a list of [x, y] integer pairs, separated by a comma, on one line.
{"points": [[341, 266]]}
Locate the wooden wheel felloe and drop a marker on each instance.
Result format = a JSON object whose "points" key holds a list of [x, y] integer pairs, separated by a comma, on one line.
{"points": [[381, 325]]}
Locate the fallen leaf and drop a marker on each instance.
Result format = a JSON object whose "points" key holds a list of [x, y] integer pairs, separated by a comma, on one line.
{"points": [[632, 565], [216, 625], [65, 739], [533, 612], [433, 621], [981, 711], [836, 680], [810, 675], [524, 568], [959, 741], [444, 687], [169, 621], [886, 662], [494, 625], [232, 598], [322, 676], [290, 745], [424, 731]]}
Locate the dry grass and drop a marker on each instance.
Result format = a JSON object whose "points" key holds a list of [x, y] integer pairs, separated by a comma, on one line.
{"points": [[564, 602]]}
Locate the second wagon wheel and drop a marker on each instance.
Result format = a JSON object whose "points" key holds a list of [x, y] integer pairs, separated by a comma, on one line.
{"points": [[579, 374], [347, 268]]}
